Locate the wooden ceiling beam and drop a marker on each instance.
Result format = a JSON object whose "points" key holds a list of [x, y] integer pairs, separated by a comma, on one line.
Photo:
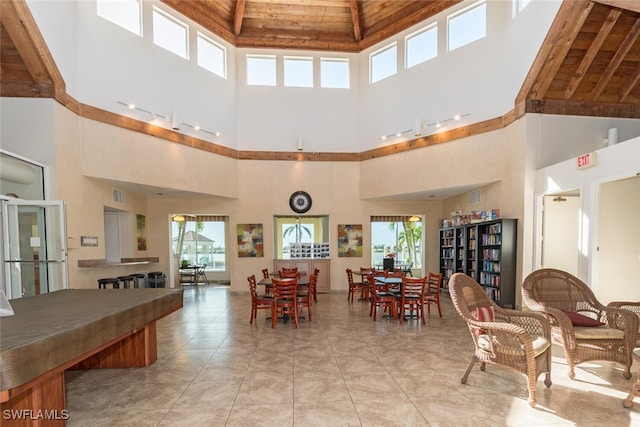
{"points": [[22, 29], [355, 19], [201, 14], [632, 5], [239, 16], [628, 86], [583, 108], [561, 40], [617, 59], [593, 50], [564, 15], [26, 89], [396, 24], [296, 43]]}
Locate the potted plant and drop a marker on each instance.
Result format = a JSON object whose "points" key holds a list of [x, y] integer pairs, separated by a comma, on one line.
{"points": [[184, 263]]}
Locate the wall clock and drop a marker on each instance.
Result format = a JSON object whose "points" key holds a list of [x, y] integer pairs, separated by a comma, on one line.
{"points": [[300, 202]]}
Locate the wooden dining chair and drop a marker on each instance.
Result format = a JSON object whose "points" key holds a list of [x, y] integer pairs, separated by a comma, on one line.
{"points": [[289, 274], [285, 300], [316, 272], [265, 275], [411, 297], [305, 296], [257, 301], [356, 287], [432, 291], [380, 299]]}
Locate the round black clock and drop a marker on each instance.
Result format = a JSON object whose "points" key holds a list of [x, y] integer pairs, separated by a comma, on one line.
{"points": [[300, 202]]}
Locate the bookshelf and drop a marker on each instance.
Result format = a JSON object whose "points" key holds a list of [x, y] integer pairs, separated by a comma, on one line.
{"points": [[472, 251], [447, 254], [484, 251]]}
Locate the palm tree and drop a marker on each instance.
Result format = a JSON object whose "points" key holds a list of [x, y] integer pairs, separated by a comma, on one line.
{"points": [[182, 227], [411, 234], [296, 228]]}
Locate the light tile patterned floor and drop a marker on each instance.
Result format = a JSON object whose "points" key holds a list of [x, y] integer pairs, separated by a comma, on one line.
{"points": [[341, 369]]}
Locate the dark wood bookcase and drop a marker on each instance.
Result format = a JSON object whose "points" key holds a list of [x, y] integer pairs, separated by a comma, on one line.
{"points": [[485, 251]]}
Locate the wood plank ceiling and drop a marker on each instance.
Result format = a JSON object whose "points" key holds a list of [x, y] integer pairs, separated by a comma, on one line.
{"points": [[589, 63]]}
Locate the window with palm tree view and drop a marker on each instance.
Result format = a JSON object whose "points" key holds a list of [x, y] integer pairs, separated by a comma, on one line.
{"points": [[201, 239], [398, 237], [292, 230]]}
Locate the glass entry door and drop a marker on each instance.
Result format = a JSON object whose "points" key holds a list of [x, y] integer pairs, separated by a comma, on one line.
{"points": [[34, 250]]}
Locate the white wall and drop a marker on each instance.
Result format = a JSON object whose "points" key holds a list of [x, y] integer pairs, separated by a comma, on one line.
{"points": [[103, 64], [612, 163], [618, 241], [564, 137], [271, 117], [482, 78], [27, 129], [113, 64]]}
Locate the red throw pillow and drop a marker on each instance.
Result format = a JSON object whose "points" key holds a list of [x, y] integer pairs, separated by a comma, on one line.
{"points": [[484, 314], [578, 319]]}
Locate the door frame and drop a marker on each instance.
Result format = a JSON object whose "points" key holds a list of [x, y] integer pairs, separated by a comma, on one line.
{"points": [[61, 258]]}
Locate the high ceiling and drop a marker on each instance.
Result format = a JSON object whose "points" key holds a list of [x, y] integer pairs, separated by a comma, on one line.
{"points": [[589, 63], [330, 25]]}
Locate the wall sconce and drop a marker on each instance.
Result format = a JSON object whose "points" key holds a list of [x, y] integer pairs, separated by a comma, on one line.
{"points": [[417, 127], [415, 218], [175, 120], [178, 218]]}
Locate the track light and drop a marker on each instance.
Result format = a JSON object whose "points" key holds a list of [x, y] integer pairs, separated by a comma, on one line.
{"points": [[173, 118]]}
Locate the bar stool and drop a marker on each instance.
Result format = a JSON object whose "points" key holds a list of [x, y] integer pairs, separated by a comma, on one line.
{"points": [[156, 279], [140, 278], [102, 283], [126, 280]]}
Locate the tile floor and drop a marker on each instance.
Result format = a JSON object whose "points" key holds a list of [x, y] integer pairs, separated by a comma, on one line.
{"points": [[341, 369]]}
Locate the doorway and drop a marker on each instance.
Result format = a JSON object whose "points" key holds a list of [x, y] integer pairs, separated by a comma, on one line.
{"points": [[34, 252], [560, 231]]}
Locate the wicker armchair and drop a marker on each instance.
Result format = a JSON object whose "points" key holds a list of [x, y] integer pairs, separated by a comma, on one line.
{"points": [[633, 306], [516, 339], [560, 295]]}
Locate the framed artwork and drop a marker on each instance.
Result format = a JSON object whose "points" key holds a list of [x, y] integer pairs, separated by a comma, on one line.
{"points": [[88, 241], [250, 240], [141, 232], [350, 240]]}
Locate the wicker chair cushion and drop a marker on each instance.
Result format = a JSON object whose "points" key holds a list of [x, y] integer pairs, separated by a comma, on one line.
{"points": [[599, 333], [578, 319], [540, 343]]}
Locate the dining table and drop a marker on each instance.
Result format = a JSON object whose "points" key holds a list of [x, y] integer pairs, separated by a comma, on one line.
{"points": [[266, 281], [189, 274]]}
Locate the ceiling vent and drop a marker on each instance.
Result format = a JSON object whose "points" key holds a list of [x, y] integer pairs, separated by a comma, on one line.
{"points": [[474, 197], [118, 196]]}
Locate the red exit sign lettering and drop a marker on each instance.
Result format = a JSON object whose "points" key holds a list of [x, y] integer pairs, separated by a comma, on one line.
{"points": [[586, 161]]}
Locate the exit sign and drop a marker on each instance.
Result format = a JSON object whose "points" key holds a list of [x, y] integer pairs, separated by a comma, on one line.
{"points": [[586, 161]]}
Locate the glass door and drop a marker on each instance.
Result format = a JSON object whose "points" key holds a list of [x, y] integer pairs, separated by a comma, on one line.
{"points": [[34, 250]]}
